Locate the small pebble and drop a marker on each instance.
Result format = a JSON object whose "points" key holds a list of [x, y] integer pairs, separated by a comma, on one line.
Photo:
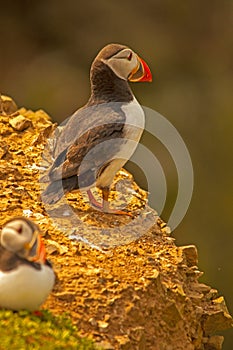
{"points": [[20, 123]]}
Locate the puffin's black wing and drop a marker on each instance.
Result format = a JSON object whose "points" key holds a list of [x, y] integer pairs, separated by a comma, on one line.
{"points": [[82, 146]]}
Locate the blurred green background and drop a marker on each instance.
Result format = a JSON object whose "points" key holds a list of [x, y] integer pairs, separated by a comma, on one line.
{"points": [[46, 51]]}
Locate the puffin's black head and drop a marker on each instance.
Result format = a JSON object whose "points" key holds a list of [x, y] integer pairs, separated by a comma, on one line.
{"points": [[109, 50], [124, 62], [21, 236], [111, 70]]}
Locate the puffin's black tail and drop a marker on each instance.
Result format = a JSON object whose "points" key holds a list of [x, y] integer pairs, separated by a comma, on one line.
{"points": [[56, 189]]}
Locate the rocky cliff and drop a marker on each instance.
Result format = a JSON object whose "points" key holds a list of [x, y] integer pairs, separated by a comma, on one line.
{"points": [[131, 287]]}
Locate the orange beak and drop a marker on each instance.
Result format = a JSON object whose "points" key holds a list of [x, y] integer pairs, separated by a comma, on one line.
{"points": [[38, 255], [141, 72], [41, 253]]}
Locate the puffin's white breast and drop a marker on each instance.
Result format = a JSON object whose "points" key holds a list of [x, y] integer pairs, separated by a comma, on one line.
{"points": [[25, 287], [133, 129], [135, 120]]}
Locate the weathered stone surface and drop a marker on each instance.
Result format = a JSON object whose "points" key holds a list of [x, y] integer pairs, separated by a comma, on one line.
{"points": [[216, 321], [105, 345], [20, 123], [55, 248], [190, 253], [3, 149], [214, 343], [7, 105]]}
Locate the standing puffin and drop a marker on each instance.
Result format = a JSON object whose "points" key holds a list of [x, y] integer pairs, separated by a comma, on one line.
{"points": [[26, 277], [100, 137]]}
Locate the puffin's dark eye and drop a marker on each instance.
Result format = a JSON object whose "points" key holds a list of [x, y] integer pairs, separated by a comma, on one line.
{"points": [[20, 229], [130, 56]]}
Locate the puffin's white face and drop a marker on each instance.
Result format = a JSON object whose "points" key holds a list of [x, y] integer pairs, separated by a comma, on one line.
{"points": [[16, 235], [123, 63]]}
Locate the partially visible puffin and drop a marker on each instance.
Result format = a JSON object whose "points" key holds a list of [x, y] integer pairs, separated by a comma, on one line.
{"points": [[26, 277], [100, 137]]}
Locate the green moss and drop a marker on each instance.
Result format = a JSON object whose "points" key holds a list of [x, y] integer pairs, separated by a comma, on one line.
{"points": [[27, 331]]}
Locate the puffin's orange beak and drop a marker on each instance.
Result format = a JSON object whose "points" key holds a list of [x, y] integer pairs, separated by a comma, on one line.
{"points": [[141, 72], [40, 254]]}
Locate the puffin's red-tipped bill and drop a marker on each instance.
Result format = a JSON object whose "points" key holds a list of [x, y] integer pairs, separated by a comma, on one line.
{"points": [[41, 253], [35, 251], [141, 73]]}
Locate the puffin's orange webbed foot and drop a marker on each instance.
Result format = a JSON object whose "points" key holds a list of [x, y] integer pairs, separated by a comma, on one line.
{"points": [[104, 207]]}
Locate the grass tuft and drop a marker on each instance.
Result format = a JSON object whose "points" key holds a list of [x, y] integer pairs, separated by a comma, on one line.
{"points": [[24, 330]]}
